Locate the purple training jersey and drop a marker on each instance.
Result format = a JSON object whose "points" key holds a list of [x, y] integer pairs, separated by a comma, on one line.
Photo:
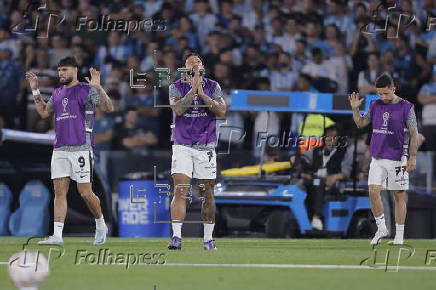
{"points": [[69, 105], [388, 123], [197, 126]]}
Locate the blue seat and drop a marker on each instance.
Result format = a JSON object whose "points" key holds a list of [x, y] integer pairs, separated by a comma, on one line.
{"points": [[5, 204], [32, 217]]}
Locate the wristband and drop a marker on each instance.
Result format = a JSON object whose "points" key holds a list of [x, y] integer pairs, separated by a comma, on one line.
{"points": [[36, 92]]}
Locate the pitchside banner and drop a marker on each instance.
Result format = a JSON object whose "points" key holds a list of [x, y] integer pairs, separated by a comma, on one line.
{"points": [[139, 206], [246, 100]]}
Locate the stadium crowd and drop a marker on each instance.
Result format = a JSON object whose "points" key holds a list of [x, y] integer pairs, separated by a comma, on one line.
{"points": [[335, 46]]}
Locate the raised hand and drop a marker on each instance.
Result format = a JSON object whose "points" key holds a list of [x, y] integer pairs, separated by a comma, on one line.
{"points": [[95, 78], [32, 79], [197, 78], [355, 102]]}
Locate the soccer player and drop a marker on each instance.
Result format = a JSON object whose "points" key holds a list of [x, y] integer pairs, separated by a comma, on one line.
{"points": [[390, 167], [194, 140], [73, 105]]}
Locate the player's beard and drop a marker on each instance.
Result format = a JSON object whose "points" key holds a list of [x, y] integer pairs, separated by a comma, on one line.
{"points": [[67, 81]]}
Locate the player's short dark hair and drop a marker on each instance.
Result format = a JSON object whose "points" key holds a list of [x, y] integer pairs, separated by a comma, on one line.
{"points": [[384, 81], [192, 54], [68, 61]]}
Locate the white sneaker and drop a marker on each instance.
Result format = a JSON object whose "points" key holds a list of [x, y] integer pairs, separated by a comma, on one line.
{"points": [[381, 233], [317, 224], [52, 240], [100, 236], [398, 241]]}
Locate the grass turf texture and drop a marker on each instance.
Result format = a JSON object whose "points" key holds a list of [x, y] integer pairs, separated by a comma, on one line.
{"points": [[65, 274]]}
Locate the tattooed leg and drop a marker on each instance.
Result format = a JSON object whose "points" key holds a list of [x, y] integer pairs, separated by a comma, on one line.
{"points": [[91, 200], [61, 186], [205, 188]]}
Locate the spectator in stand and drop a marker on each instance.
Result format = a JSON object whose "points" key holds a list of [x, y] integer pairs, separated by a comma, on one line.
{"points": [[318, 68], [59, 49], [12, 77], [427, 98], [284, 78], [337, 16], [129, 135], [313, 37], [342, 65], [47, 80], [361, 45], [203, 21], [288, 39], [82, 58], [103, 130], [367, 77], [301, 57], [405, 65], [252, 67]]}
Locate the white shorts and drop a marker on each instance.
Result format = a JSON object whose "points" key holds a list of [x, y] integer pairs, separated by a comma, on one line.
{"points": [[194, 163], [76, 165], [390, 174]]}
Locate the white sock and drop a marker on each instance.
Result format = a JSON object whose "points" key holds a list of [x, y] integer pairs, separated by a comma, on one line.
{"points": [[381, 223], [208, 230], [99, 223], [57, 229], [177, 229], [399, 231]]}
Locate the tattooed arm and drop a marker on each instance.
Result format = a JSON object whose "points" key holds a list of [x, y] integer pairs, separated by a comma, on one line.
{"points": [[105, 101]]}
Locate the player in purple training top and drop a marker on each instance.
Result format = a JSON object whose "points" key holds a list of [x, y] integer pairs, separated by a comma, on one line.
{"points": [[73, 106], [390, 146], [194, 141]]}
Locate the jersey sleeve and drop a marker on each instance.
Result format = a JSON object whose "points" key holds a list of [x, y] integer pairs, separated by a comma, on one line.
{"points": [[217, 93], [411, 118], [367, 115], [93, 96], [173, 93], [50, 102]]}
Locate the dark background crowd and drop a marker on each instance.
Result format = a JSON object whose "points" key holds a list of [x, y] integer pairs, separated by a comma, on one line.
{"points": [[334, 46]]}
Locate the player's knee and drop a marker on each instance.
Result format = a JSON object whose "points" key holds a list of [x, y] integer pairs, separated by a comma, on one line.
{"points": [[60, 193], [85, 193], [182, 190], [374, 192], [399, 196], [208, 190]]}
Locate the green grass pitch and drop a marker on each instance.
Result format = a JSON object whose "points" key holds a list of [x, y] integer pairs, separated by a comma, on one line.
{"points": [[239, 263]]}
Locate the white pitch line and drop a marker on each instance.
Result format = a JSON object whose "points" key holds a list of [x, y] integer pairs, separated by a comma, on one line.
{"points": [[302, 266], [282, 266]]}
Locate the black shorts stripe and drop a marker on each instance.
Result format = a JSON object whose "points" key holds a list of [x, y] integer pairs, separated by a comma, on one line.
{"points": [[91, 167]]}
